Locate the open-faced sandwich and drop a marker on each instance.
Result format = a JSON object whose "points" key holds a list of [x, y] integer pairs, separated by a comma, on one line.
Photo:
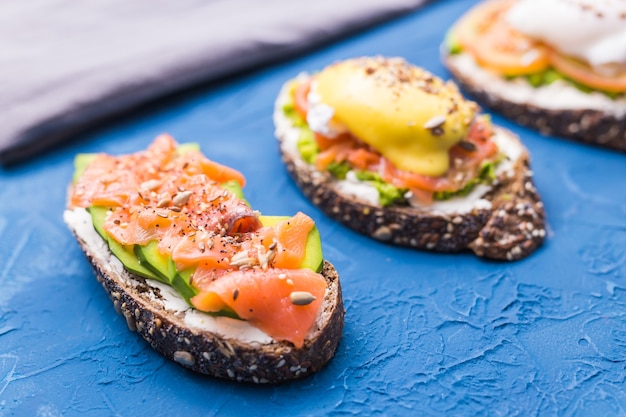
{"points": [[558, 66], [393, 152], [206, 280]]}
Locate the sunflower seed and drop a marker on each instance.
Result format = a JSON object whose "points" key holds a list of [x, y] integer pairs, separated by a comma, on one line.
{"points": [[164, 202], [242, 260], [180, 199], [434, 122], [150, 185], [301, 298]]}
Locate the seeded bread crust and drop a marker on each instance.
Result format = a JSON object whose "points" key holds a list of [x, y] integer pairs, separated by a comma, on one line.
{"points": [[584, 125], [511, 229], [210, 353]]}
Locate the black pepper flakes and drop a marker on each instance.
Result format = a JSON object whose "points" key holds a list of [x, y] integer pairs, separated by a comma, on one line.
{"points": [[468, 146]]}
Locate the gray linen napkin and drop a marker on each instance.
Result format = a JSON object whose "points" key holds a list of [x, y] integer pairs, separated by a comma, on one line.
{"points": [[66, 64]]}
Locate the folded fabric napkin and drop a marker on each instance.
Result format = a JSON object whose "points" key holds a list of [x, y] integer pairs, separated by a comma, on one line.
{"points": [[66, 65]]}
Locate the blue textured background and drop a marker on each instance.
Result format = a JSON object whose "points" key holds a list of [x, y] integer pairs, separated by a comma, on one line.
{"points": [[425, 334]]}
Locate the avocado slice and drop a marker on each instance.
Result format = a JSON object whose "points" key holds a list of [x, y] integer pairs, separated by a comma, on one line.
{"points": [[81, 162], [165, 268], [98, 216], [182, 283], [125, 254], [234, 187], [313, 256], [451, 41], [186, 147], [161, 266]]}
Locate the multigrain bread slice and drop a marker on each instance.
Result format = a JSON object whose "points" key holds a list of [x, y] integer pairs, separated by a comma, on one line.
{"points": [[217, 346], [558, 109], [504, 221]]}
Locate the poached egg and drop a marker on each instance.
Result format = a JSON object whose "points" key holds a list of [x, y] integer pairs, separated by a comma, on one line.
{"points": [[406, 113], [591, 30]]}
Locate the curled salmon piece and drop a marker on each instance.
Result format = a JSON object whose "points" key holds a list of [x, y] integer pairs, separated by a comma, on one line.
{"points": [[283, 303]]}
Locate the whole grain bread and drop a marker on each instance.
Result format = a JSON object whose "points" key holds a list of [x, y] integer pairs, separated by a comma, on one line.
{"points": [[592, 126], [164, 323], [509, 225]]}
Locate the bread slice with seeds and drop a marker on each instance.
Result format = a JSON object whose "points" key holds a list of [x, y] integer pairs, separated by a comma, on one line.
{"points": [[504, 220], [514, 59], [217, 346]]}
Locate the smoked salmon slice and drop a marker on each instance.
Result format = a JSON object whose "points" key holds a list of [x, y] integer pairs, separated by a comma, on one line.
{"points": [[284, 303], [177, 200]]}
